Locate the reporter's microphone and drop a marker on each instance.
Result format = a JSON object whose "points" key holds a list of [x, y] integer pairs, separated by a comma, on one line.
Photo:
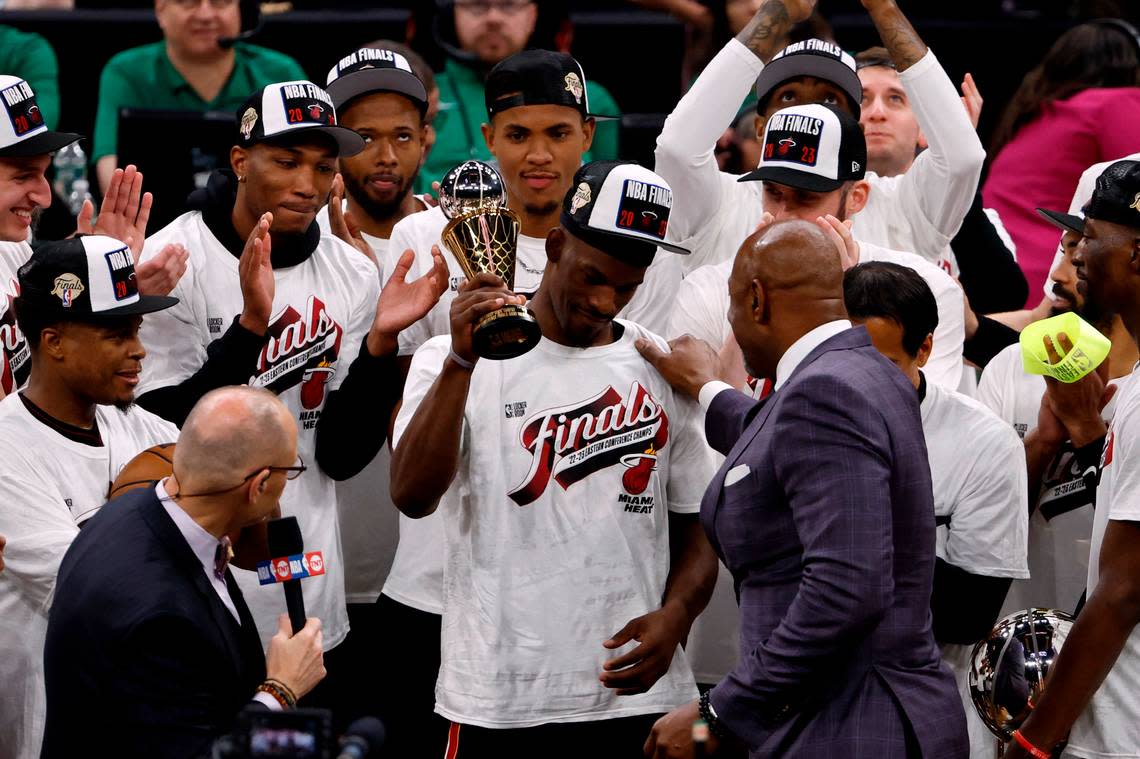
{"points": [[284, 536], [362, 739]]}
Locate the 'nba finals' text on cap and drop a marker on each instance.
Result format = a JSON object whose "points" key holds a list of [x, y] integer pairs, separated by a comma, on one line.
{"points": [[86, 278], [816, 58], [811, 147], [620, 208], [23, 131], [1116, 198], [538, 77], [285, 108], [372, 69]]}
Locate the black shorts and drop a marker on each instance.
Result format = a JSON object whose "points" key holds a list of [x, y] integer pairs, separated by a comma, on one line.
{"points": [[622, 738]]}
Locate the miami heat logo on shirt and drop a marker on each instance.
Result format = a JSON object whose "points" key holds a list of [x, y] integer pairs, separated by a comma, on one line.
{"points": [[572, 442], [16, 356], [301, 350]]}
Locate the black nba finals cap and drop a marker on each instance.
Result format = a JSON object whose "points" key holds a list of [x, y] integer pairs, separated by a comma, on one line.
{"points": [[86, 278], [538, 77], [1116, 199], [816, 58], [372, 69], [285, 108], [811, 147], [620, 208], [22, 128]]}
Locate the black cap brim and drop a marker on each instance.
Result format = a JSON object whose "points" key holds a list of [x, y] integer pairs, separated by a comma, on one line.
{"points": [[1066, 222], [348, 142], [801, 180], [378, 80], [805, 64], [146, 304], [41, 144]]}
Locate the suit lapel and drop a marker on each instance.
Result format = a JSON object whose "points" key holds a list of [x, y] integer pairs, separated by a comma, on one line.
{"points": [[250, 640], [180, 552]]}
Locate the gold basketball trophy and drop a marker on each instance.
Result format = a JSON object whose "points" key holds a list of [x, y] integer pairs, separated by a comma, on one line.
{"points": [[483, 236]]}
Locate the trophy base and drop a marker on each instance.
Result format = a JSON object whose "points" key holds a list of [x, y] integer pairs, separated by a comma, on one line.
{"points": [[505, 333]]}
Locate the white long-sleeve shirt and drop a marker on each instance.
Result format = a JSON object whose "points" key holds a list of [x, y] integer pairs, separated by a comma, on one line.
{"points": [[919, 211]]}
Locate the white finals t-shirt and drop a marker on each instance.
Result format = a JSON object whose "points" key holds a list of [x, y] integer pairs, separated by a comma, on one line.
{"points": [[322, 310], [17, 362], [556, 528], [49, 485], [1110, 725]]}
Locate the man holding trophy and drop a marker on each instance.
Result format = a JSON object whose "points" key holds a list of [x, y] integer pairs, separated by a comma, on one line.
{"points": [[567, 475]]}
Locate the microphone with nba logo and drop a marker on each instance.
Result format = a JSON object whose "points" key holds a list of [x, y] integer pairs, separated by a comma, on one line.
{"points": [[290, 565]]}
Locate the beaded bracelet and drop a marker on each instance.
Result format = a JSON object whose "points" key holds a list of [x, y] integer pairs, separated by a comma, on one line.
{"points": [[710, 718], [280, 692]]}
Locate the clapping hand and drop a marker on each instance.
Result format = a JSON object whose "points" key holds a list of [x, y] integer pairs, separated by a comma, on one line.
{"points": [[403, 303], [344, 226]]}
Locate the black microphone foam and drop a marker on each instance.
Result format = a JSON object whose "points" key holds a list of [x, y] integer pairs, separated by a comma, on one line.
{"points": [[284, 537], [362, 739]]}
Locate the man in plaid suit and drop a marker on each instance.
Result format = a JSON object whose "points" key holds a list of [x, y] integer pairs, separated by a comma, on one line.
{"points": [[823, 512]]}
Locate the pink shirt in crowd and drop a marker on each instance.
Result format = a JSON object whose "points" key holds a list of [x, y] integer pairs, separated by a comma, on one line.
{"points": [[1041, 165]]}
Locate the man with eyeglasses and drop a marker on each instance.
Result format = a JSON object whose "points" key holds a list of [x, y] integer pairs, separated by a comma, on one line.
{"points": [[196, 67], [63, 440], [487, 32], [151, 648]]}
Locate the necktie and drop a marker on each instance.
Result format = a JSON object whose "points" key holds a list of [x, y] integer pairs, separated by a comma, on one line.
{"points": [[222, 556]]}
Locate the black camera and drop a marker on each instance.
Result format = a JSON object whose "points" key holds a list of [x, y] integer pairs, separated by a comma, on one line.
{"points": [[290, 734]]}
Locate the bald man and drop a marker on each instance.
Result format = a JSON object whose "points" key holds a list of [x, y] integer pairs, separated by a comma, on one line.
{"points": [[150, 646], [822, 512]]}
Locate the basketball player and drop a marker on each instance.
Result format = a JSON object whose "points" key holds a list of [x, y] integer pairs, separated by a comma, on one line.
{"points": [[63, 439], [919, 211], [567, 481], [269, 301]]}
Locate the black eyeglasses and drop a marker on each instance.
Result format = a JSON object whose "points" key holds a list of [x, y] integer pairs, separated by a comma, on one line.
{"points": [[291, 473]]}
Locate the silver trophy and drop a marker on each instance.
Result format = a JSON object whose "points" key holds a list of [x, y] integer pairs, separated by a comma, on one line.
{"points": [[483, 235], [1008, 669]]}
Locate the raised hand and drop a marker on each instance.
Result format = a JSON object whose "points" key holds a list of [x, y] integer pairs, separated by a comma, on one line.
{"points": [[344, 226], [840, 234], [1077, 405], [767, 33], [160, 273], [972, 99], [124, 212], [255, 272], [403, 303]]}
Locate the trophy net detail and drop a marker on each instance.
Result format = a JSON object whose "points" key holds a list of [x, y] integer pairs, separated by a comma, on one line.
{"points": [[488, 239]]}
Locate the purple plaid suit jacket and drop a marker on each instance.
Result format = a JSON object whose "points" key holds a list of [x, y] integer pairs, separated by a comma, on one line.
{"points": [[823, 512]]}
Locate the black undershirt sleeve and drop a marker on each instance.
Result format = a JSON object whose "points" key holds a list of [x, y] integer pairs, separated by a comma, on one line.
{"points": [[986, 268], [230, 360], [964, 605], [989, 340], [354, 421]]}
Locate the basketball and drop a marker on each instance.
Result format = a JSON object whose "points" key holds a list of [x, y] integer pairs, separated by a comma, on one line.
{"points": [[151, 465]]}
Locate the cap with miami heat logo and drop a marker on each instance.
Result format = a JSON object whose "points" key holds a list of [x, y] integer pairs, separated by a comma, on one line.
{"points": [[85, 278], [23, 131], [815, 58], [373, 69], [620, 208], [811, 147], [287, 108]]}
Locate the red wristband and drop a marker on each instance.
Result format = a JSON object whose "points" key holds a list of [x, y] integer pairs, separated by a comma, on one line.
{"points": [[1032, 750]]}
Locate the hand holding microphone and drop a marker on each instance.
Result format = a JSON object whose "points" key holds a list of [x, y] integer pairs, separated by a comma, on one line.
{"points": [[297, 660], [295, 653]]}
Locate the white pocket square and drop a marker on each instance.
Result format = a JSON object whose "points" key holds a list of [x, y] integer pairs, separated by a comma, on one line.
{"points": [[736, 474]]}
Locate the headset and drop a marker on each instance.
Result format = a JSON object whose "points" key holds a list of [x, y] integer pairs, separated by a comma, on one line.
{"points": [[1122, 26]]}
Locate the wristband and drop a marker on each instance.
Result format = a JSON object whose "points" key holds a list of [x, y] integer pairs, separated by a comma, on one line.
{"points": [[1090, 347], [462, 362], [280, 692], [1030, 749]]}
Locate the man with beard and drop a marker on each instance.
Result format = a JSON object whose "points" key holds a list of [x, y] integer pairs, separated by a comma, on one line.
{"points": [[1091, 695], [378, 96], [63, 440], [269, 301], [565, 482], [540, 129], [1060, 505]]}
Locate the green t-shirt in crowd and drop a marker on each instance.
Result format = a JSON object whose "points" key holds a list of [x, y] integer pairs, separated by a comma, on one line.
{"points": [[463, 111], [30, 57], [144, 77]]}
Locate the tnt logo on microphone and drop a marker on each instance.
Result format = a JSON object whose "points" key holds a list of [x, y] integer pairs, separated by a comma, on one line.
{"points": [[314, 563]]}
